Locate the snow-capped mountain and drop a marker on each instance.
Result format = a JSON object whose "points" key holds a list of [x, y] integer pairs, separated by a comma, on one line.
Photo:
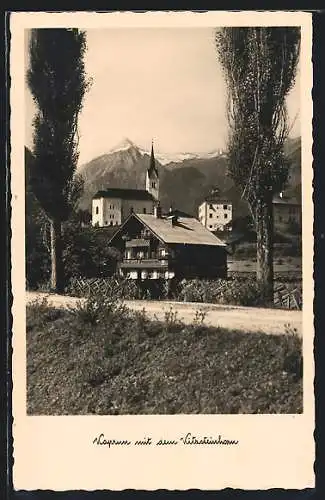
{"points": [[123, 145], [164, 158], [125, 165], [185, 178], [167, 158]]}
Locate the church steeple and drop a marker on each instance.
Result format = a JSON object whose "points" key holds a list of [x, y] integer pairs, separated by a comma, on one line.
{"points": [[152, 166], [152, 177]]}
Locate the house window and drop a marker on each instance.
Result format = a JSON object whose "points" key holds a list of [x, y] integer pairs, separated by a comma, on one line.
{"points": [[106, 222], [112, 216], [153, 184], [211, 206], [97, 210], [144, 210], [111, 223], [226, 216], [210, 215], [225, 207], [210, 227]]}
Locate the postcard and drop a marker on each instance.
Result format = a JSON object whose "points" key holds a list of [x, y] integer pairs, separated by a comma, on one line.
{"points": [[162, 250]]}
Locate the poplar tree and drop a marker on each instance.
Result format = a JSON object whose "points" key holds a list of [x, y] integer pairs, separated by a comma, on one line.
{"points": [[57, 81], [260, 66]]}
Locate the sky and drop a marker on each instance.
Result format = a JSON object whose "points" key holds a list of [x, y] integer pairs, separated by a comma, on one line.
{"points": [[163, 84]]}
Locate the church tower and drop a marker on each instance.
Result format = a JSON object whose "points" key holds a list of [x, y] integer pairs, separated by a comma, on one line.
{"points": [[152, 178]]}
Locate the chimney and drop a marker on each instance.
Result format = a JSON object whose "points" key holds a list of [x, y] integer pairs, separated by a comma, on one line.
{"points": [[173, 220], [172, 216], [157, 211]]}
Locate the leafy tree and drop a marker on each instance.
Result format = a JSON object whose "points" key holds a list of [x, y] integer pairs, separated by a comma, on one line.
{"points": [[58, 83], [37, 253], [86, 252], [260, 67]]}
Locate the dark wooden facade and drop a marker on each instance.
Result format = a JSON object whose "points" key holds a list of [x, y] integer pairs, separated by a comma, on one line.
{"points": [[147, 256]]}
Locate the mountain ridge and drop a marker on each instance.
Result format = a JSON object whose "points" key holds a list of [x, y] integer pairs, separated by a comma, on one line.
{"points": [[183, 184]]}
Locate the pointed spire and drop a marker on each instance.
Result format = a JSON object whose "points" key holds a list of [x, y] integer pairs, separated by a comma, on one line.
{"points": [[152, 166]]}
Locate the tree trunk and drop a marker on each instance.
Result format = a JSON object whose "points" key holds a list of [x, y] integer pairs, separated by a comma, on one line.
{"points": [[264, 233], [57, 274]]}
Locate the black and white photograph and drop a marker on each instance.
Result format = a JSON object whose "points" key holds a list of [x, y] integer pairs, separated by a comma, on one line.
{"points": [[163, 228]]}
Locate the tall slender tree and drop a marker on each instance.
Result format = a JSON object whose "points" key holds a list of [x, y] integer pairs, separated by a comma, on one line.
{"points": [[58, 83], [260, 67]]}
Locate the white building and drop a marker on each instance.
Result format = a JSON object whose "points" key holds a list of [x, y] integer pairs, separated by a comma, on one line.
{"points": [[112, 206], [215, 213]]}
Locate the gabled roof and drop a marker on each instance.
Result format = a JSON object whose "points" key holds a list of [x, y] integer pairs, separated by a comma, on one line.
{"points": [[218, 201], [125, 194], [187, 230]]}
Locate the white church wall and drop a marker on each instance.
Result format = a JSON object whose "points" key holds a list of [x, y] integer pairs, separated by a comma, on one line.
{"points": [[112, 212], [97, 212], [138, 206]]}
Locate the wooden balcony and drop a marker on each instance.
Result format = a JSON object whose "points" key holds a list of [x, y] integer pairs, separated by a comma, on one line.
{"points": [[137, 243], [144, 264]]}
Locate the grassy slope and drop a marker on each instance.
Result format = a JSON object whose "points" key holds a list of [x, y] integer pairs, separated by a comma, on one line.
{"points": [[86, 361]]}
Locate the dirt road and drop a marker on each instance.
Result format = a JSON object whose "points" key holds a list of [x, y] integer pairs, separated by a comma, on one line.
{"points": [[270, 321]]}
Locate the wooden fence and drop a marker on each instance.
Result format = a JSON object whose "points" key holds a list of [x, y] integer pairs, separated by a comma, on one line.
{"points": [[286, 296]]}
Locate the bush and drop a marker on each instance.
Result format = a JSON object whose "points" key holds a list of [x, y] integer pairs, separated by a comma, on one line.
{"points": [[236, 291], [86, 252], [197, 290], [243, 293], [99, 308]]}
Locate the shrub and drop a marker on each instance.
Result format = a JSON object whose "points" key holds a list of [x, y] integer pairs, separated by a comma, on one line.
{"points": [[243, 293], [236, 291], [199, 317], [40, 313], [197, 290], [86, 252], [99, 308], [172, 323]]}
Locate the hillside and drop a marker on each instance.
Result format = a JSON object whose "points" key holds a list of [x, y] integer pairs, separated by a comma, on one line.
{"points": [[125, 168]]}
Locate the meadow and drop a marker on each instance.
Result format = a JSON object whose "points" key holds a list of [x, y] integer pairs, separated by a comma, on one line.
{"points": [[101, 358]]}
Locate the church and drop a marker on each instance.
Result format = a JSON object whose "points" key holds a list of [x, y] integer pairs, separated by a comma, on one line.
{"points": [[112, 206]]}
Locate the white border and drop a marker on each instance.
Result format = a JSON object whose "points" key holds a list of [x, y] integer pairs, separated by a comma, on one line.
{"points": [[56, 452]]}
